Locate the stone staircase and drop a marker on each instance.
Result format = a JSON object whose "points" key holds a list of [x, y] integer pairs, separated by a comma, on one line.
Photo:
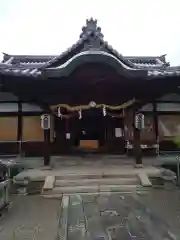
{"points": [[91, 184]]}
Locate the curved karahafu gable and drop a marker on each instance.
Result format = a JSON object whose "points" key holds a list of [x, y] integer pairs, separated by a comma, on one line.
{"points": [[93, 57], [91, 39]]}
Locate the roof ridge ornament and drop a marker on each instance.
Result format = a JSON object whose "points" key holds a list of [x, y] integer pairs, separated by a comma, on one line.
{"points": [[91, 27]]}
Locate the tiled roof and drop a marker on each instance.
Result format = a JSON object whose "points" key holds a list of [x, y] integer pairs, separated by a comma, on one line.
{"points": [[28, 70], [169, 71], [91, 38], [43, 59], [150, 60], [16, 59]]}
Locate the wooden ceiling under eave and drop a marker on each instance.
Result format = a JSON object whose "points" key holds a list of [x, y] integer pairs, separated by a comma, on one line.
{"points": [[73, 95], [81, 88]]}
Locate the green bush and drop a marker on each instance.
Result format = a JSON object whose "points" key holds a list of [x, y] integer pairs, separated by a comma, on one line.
{"points": [[176, 140]]}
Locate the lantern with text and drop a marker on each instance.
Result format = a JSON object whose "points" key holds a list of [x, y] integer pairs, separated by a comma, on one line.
{"points": [[45, 121], [139, 121]]}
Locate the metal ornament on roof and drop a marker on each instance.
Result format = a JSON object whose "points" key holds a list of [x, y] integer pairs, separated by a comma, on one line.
{"points": [[45, 121], [92, 104], [91, 26]]}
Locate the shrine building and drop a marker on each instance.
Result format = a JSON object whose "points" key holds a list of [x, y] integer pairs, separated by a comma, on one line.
{"points": [[88, 98]]}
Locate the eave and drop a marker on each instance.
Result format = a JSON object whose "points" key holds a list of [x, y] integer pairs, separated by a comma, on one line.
{"points": [[162, 73], [38, 70], [32, 71], [94, 57]]}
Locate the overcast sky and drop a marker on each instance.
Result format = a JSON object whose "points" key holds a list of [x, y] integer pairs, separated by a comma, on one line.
{"points": [[133, 27]]}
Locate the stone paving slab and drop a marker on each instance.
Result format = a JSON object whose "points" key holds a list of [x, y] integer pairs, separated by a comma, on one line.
{"points": [[153, 216], [114, 217]]}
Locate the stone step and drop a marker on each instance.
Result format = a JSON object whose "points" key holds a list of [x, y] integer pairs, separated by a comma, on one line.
{"points": [[104, 190], [95, 189], [100, 181], [94, 176], [60, 195]]}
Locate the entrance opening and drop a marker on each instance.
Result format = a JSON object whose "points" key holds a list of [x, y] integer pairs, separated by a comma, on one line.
{"points": [[92, 133]]}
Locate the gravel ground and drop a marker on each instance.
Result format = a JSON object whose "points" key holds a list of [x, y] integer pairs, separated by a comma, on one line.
{"points": [[30, 218]]}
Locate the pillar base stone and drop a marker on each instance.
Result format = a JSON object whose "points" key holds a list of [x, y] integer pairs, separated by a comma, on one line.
{"points": [[138, 166]]}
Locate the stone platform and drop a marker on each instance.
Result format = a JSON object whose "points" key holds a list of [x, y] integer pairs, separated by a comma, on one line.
{"points": [[39, 174], [79, 175]]}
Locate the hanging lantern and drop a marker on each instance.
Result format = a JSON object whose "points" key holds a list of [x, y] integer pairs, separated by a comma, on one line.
{"points": [[104, 111], [139, 121], [80, 114], [45, 121], [59, 112]]}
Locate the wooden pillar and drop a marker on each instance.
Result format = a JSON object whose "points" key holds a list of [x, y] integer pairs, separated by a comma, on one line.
{"points": [[155, 116], [47, 141], [137, 140], [19, 128], [47, 153], [137, 146]]}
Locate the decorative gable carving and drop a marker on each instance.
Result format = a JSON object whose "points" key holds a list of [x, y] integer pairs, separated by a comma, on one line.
{"points": [[91, 26], [94, 36]]}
